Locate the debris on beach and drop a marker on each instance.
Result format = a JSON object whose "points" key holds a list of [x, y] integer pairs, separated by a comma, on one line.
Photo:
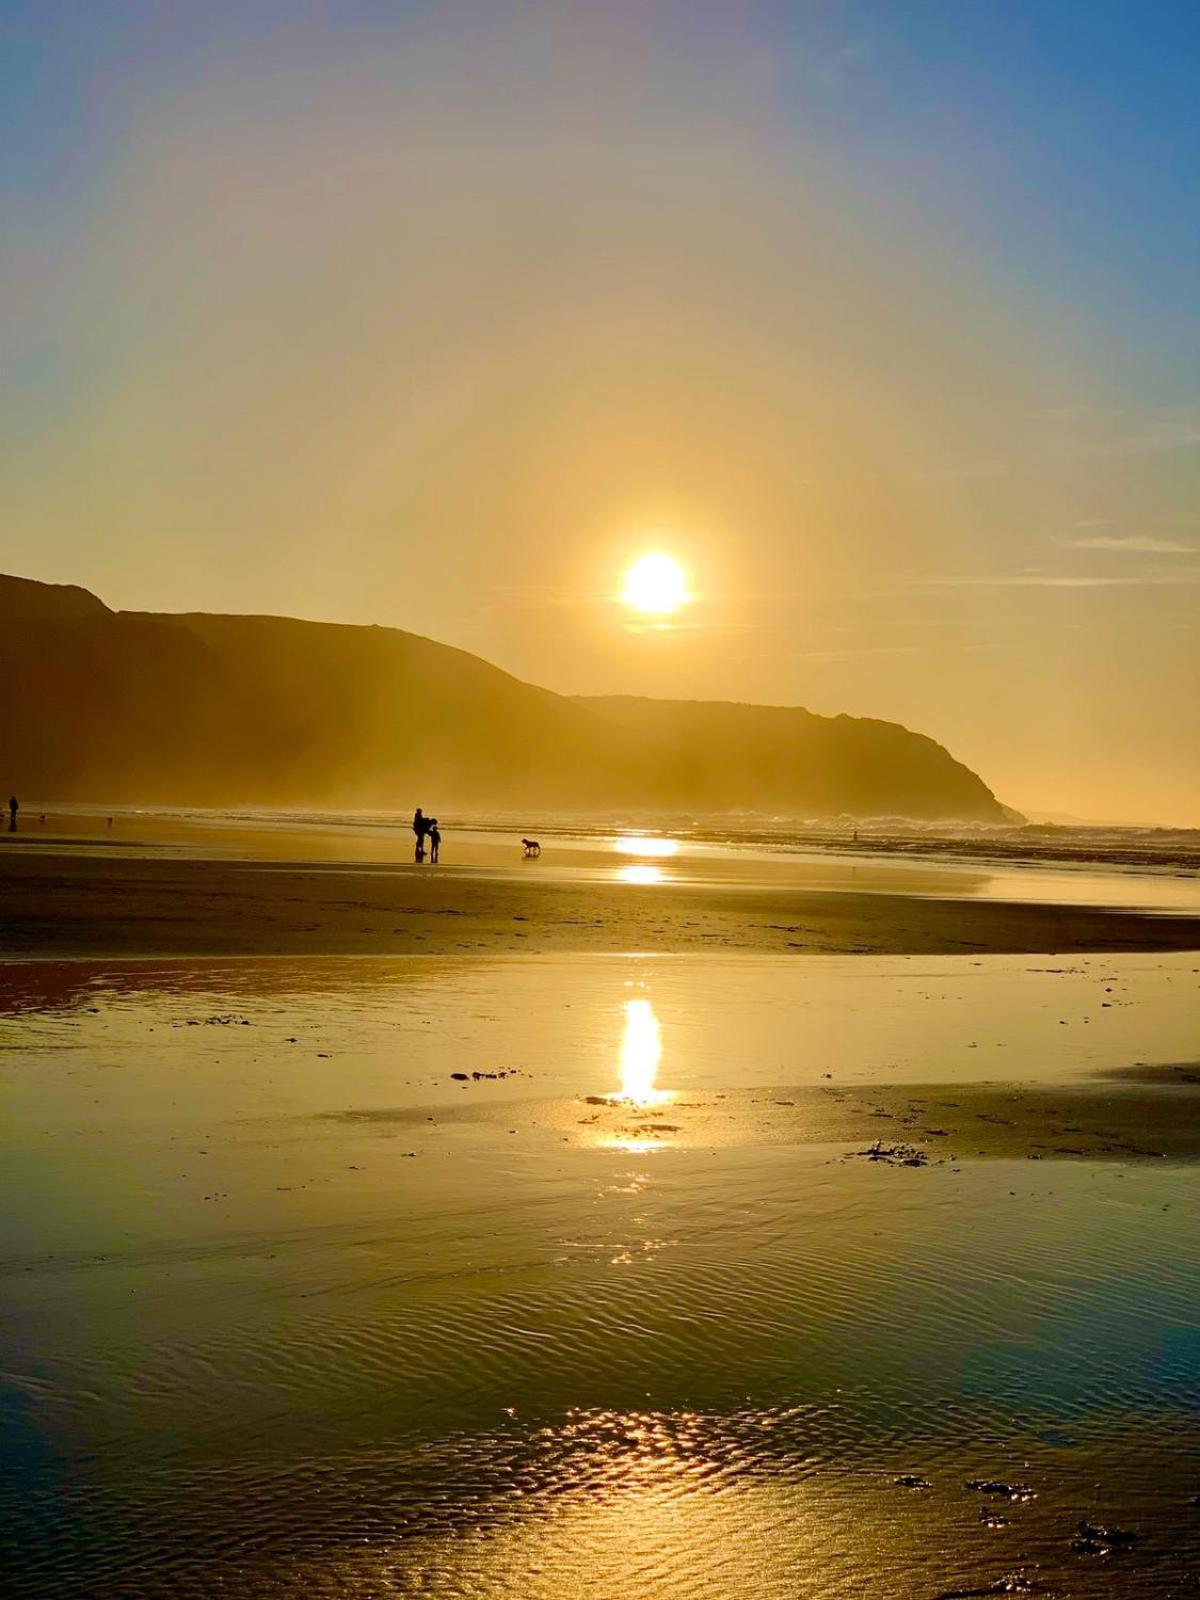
{"points": [[1002, 1490], [224, 1019], [910, 1480], [1010, 1583], [1092, 1540], [989, 1517], [896, 1155]]}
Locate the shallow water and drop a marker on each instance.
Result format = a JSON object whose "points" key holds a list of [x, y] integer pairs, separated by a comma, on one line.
{"points": [[292, 1311]]}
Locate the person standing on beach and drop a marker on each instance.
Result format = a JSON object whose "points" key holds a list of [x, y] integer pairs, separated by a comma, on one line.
{"points": [[435, 839], [13, 808], [420, 828]]}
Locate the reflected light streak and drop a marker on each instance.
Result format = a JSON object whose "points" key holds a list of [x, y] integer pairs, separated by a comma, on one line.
{"points": [[639, 873], [641, 1052], [632, 844]]}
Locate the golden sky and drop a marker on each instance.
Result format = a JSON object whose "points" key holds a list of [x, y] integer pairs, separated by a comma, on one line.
{"points": [[440, 315]]}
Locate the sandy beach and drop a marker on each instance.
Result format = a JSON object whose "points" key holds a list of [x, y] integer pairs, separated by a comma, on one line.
{"points": [[186, 885], [767, 1228]]}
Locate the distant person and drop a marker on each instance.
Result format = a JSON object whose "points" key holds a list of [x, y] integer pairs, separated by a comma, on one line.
{"points": [[13, 808], [435, 839], [420, 828]]}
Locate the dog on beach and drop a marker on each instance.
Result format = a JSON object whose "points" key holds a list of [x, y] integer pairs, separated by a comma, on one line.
{"points": [[532, 847]]}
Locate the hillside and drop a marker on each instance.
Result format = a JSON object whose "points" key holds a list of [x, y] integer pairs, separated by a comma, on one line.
{"points": [[783, 758], [227, 710]]}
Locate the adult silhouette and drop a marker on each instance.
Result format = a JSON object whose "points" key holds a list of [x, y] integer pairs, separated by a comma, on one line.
{"points": [[420, 826], [13, 808]]}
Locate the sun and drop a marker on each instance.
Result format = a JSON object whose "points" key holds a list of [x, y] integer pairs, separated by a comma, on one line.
{"points": [[655, 585]]}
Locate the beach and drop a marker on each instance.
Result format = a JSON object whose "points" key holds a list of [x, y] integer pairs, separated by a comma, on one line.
{"points": [[736, 1225], [599, 845], [159, 883]]}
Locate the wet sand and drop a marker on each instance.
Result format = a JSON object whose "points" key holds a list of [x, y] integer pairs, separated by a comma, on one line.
{"points": [[58, 901], [496, 1266]]}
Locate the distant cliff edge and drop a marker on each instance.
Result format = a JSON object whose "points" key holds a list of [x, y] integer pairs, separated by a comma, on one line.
{"points": [[195, 709]]}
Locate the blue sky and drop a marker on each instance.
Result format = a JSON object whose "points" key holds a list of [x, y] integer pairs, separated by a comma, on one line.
{"points": [[1066, 133]]}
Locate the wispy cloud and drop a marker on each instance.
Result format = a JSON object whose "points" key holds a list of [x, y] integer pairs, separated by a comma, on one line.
{"points": [[1065, 580], [867, 652], [1124, 433], [1133, 543], [880, 650]]}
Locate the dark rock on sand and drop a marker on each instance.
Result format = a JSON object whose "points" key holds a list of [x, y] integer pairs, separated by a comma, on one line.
{"points": [[1002, 1490], [896, 1155], [1093, 1540], [1010, 1583]]}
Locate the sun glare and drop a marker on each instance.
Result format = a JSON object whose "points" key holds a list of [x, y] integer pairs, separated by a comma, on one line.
{"points": [[640, 844], [655, 585], [641, 1052]]}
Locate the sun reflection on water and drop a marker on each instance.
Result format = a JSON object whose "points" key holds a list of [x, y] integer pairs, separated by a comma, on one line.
{"points": [[641, 1052]]}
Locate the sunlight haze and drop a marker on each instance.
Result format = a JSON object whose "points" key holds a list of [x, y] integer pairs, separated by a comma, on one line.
{"points": [[416, 314], [600, 878]]}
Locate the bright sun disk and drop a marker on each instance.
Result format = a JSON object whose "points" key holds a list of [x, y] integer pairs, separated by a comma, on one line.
{"points": [[655, 585]]}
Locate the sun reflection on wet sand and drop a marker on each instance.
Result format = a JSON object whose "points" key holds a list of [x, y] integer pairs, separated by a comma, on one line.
{"points": [[632, 844], [641, 1052], [639, 873], [503, 1367]]}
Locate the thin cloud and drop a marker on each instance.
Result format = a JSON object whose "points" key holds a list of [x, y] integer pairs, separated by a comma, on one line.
{"points": [[1126, 433], [1134, 543], [1043, 580], [871, 650]]}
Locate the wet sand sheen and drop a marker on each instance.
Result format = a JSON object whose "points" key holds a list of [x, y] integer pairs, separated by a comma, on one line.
{"points": [[370, 1277], [61, 903], [912, 1125]]}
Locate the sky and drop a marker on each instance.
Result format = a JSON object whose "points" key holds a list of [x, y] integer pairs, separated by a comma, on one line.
{"points": [[880, 317]]}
